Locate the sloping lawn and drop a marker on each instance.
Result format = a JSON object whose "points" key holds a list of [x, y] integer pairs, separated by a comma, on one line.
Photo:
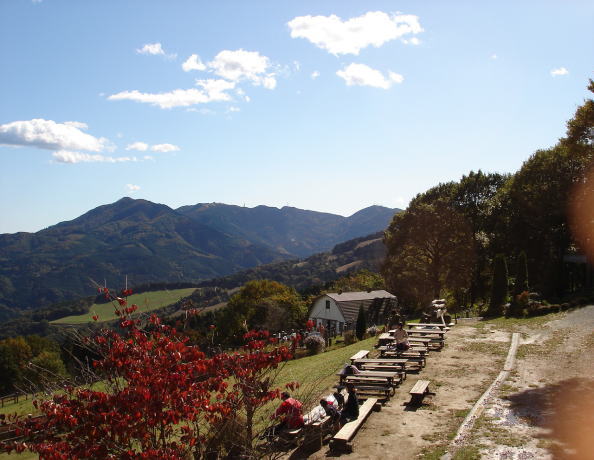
{"points": [[146, 301]]}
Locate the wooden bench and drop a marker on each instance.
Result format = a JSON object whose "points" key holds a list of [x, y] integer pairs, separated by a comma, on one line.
{"points": [[341, 440], [359, 355], [314, 433], [418, 392]]}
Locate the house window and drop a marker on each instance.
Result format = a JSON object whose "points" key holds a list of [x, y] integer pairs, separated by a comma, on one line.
{"points": [[327, 305]]}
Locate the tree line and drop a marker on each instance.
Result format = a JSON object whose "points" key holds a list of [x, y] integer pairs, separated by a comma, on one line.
{"points": [[451, 238]]}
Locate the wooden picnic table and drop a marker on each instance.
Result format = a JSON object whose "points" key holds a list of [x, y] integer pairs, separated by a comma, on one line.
{"points": [[360, 354], [416, 340], [411, 357], [423, 332], [436, 340], [398, 362], [428, 325], [384, 339], [383, 377], [387, 349]]}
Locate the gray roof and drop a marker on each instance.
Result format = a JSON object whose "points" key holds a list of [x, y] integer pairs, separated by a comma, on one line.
{"points": [[350, 302], [362, 295]]}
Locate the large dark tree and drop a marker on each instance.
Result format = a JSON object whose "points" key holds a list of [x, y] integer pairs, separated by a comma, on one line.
{"points": [[499, 286], [430, 249], [473, 197], [521, 281]]}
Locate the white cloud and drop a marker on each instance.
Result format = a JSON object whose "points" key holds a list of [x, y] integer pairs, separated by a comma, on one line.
{"points": [[336, 36], [164, 148], [151, 48], [214, 90], [140, 146], [362, 75], [155, 49], [494, 56], [395, 77], [193, 63], [66, 156], [132, 188], [315, 74], [143, 147], [560, 71], [243, 65], [234, 109], [47, 134]]}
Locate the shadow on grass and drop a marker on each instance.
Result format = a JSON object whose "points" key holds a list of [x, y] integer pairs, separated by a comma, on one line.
{"points": [[566, 411]]}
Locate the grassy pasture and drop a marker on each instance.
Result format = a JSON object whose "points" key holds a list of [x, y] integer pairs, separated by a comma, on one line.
{"points": [[146, 301]]}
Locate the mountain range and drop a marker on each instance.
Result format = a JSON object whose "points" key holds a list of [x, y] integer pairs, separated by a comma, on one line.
{"points": [[151, 242]]}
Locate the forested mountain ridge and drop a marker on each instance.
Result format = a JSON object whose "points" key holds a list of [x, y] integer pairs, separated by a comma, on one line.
{"points": [[363, 253], [290, 230], [307, 275], [149, 242]]}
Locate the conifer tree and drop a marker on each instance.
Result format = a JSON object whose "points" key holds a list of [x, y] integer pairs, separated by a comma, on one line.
{"points": [[361, 324]]}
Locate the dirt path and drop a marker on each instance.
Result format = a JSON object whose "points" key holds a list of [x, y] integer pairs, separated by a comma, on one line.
{"points": [[545, 406], [546, 411]]}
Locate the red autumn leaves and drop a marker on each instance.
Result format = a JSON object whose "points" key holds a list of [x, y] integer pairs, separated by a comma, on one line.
{"points": [[164, 398]]}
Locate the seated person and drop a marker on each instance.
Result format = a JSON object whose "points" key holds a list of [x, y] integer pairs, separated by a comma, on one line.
{"points": [[291, 414], [314, 415], [351, 407], [339, 397], [401, 337], [330, 410]]}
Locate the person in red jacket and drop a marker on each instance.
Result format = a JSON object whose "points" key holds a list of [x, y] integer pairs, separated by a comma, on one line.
{"points": [[290, 411], [291, 416]]}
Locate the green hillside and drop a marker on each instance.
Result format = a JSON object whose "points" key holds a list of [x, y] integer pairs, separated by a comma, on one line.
{"points": [[146, 301]]}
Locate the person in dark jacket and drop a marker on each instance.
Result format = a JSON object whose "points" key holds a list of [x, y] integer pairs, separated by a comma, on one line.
{"points": [[330, 410], [350, 410], [339, 396]]}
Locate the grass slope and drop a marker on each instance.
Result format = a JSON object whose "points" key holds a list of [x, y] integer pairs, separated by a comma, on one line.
{"points": [[146, 301]]}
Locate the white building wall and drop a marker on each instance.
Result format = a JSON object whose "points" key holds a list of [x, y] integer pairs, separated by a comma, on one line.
{"points": [[321, 315]]}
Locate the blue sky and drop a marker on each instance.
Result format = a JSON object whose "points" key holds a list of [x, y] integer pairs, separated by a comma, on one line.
{"points": [[324, 105]]}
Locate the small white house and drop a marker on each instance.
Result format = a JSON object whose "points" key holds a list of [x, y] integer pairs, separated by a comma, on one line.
{"points": [[339, 311]]}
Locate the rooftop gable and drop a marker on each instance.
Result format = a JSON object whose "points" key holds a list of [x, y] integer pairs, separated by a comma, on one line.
{"points": [[360, 295]]}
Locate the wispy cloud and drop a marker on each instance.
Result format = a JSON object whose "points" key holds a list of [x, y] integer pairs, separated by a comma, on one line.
{"points": [[132, 188], [374, 28], [362, 75], [315, 74], [67, 156], [143, 147], [138, 146], [559, 72], [179, 97], [165, 148]]}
